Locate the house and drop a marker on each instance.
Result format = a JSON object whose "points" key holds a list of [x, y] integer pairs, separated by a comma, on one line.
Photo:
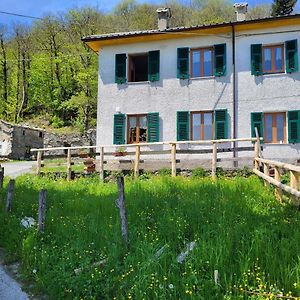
{"points": [[17, 140], [202, 82]]}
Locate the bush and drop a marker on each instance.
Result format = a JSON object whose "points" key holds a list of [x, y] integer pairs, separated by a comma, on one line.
{"points": [[199, 172]]}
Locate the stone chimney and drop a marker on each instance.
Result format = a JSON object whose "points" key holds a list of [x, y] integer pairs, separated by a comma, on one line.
{"points": [[164, 15], [240, 10]]}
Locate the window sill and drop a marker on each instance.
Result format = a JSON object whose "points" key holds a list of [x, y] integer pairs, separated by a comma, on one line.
{"points": [[200, 78], [137, 82], [273, 74]]}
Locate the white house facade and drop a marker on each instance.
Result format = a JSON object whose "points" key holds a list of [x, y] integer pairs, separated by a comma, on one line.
{"points": [[202, 83]]}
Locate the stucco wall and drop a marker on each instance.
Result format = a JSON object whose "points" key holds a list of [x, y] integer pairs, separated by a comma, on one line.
{"points": [[278, 92]]}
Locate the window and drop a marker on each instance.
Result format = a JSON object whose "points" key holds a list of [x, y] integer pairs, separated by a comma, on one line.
{"points": [[137, 129], [202, 62], [40, 134], [141, 67], [140, 128], [138, 67], [268, 59], [275, 128], [202, 125], [273, 58]]}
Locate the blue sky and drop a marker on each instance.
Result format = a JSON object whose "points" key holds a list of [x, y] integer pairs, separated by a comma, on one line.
{"points": [[39, 8]]}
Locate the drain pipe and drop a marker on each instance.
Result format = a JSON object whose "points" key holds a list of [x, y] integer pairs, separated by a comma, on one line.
{"points": [[234, 104]]}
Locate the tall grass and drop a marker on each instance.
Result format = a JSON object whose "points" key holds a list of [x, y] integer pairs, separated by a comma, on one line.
{"points": [[239, 229]]}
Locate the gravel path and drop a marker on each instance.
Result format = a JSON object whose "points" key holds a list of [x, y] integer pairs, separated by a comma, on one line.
{"points": [[9, 288]]}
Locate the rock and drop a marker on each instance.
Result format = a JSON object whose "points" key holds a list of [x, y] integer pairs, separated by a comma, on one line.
{"points": [[28, 222]]}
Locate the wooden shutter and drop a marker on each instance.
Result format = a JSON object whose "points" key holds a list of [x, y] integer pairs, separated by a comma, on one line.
{"points": [[183, 63], [220, 60], [153, 127], [153, 65], [221, 124], [294, 126], [120, 68], [291, 56], [256, 59], [183, 126], [119, 129], [257, 121]]}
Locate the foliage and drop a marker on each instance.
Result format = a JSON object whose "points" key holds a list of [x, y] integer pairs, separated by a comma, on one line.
{"points": [[283, 7], [199, 172], [45, 69], [239, 229]]}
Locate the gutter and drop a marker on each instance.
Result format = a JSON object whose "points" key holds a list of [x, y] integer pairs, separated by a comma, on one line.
{"points": [[234, 96]]}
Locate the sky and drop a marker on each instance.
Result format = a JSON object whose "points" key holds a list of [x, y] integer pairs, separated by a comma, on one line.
{"points": [[40, 8]]}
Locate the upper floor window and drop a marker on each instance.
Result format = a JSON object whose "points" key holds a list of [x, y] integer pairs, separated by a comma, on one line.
{"points": [[202, 62], [138, 67], [266, 59], [273, 59]]}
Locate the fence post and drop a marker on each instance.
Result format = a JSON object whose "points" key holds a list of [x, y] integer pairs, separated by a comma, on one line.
{"points": [[256, 154], [137, 161], [39, 163], [121, 205], [10, 194], [173, 159], [214, 162], [266, 172], [1, 177], [294, 183], [278, 178], [69, 167], [101, 164], [42, 210]]}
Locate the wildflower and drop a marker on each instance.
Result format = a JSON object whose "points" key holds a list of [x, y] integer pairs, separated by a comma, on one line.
{"points": [[34, 271], [171, 286]]}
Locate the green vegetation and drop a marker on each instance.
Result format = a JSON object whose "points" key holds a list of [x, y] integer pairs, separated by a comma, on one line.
{"points": [[239, 229], [283, 7], [48, 77]]}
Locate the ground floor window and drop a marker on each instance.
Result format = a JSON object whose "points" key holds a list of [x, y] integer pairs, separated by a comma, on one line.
{"points": [[275, 127], [137, 129], [202, 125]]}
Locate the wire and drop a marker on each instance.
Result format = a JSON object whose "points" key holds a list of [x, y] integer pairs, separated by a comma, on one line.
{"points": [[19, 15]]}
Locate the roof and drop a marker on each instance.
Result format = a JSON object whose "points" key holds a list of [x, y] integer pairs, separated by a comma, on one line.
{"points": [[105, 38]]}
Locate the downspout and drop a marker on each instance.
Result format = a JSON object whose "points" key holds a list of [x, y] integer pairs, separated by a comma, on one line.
{"points": [[234, 96]]}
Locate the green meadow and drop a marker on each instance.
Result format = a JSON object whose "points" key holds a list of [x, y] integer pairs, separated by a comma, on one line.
{"points": [[246, 244]]}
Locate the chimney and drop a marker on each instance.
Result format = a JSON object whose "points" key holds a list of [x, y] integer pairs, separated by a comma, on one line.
{"points": [[240, 10], [164, 15]]}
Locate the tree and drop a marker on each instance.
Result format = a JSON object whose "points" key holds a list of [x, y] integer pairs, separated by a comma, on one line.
{"points": [[283, 7]]}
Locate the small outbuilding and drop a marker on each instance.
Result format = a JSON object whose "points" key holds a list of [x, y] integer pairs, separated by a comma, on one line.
{"points": [[17, 140]]}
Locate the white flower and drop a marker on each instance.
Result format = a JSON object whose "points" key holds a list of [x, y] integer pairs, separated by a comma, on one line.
{"points": [[34, 271], [171, 286]]}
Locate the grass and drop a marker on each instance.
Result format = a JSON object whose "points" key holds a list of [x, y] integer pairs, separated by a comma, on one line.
{"points": [[239, 229]]}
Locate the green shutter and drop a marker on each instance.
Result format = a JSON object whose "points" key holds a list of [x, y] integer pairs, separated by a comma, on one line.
{"points": [[183, 63], [183, 126], [220, 60], [294, 126], [257, 121], [119, 129], [153, 65], [256, 59], [153, 127], [221, 124], [120, 68], [291, 56]]}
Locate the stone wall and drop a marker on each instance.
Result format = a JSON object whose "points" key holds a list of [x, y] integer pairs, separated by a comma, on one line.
{"points": [[68, 140]]}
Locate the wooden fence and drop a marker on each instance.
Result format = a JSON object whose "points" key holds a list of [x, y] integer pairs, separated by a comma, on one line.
{"points": [[172, 151], [261, 168]]}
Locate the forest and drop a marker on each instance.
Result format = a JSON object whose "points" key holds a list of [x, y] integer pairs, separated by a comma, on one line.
{"points": [[48, 76]]}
